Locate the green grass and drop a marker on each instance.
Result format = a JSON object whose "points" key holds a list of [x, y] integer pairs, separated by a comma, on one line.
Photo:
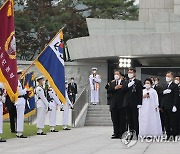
{"points": [[29, 130]]}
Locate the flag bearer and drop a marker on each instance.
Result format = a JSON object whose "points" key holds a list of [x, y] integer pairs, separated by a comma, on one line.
{"points": [[42, 106], [2, 100], [53, 102], [20, 107]]}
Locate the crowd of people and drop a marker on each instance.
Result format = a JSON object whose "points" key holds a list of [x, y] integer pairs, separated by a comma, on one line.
{"points": [[45, 101], [149, 109]]}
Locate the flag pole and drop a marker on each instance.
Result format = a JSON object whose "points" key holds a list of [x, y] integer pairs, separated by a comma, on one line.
{"points": [[24, 72]]}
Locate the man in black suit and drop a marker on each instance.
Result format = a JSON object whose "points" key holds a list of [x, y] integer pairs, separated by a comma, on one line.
{"points": [[118, 115], [177, 81], [169, 105], [12, 113], [132, 99], [72, 90], [158, 89]]}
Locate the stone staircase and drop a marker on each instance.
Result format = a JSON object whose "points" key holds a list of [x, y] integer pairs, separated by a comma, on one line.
{"points": [[98, 115]]}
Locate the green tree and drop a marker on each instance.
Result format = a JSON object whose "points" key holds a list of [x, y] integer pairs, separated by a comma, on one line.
{"points": [[112, 9]]}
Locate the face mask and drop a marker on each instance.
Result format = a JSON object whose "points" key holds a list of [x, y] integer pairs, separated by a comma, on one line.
{"points": [[168, 79], [130, 75], [94, 72], [147, 86], [72, 81], [176, 81], [116, 77], [156, 82]]}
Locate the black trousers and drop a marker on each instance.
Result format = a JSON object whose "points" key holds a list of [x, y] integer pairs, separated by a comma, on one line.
{"points": [[12, 117], [178, 121], [170, 122], [72, 98], [132, 118], [162, 119], [118, 116]]}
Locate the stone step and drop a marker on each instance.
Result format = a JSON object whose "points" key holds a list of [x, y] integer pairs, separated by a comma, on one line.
{"points": [[98, 118], [98, 109], [98, 124], [98, 115], [98, 106], [98, 112]]}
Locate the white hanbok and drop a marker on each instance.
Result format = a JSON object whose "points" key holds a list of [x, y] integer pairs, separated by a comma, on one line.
{"points": [[149, 117]]}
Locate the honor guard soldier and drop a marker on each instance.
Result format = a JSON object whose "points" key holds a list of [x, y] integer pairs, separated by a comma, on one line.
{"points": [[20, 107], [94, 80], [66, 109], [53, 102], [2, 100], [42, 105]]}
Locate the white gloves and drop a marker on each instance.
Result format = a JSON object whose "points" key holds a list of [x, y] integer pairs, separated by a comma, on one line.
{"points": [[139, 106], [167, 91], [130, 84], [174, 109]]}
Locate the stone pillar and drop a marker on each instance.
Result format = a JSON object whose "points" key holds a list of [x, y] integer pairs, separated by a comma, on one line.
{"points": [[177, 7]]}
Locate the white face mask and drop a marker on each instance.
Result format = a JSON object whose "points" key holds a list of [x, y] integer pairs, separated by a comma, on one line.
{"points": [[72, 81], [176, 81], [168, 79], [116, 77], [94, 72], [147, 86], [156, 82], [130, 75]]}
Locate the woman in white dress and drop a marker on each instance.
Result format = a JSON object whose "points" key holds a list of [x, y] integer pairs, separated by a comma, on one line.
{"points": [[149, 117]]}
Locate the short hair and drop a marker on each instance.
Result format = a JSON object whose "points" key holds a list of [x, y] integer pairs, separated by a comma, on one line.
{"points": [[148, 79], [169, 72], [156, 78], [118, 71], [132, 69], [72, 78]]}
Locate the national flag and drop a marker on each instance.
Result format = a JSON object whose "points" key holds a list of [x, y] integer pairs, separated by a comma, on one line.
{"points": [[28, 83], [51, 64], [8, 63]]}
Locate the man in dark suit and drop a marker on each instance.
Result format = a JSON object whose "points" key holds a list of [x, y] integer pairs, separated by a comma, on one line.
{"points": [[177, 81], [72, 90], [158, 89], [118, 115], [132, 99], [169, 105], [12, 113]]}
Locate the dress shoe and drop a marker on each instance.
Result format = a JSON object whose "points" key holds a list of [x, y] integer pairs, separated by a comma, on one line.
{"points": [[115, 137], [61, 109], [42, 133], [13, 132], [66, 129], [113, 134], [2, 140], [21, 136], [54, 130]]}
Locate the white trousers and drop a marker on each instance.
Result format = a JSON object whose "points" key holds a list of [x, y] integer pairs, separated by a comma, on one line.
{"points": [[94, 96], [65, 114], [20, 117], [1, 119], [52, 116], [41, 114]]}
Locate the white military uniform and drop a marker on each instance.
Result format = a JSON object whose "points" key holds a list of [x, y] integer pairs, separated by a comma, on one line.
{"points": [[20, 107], [66, 110], [42, 106], [94, 85], [52, 105], [2, 100]]}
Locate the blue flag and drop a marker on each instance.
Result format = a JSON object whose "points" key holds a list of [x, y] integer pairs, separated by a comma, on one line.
{"points": [[29, 84], [51, 64]]}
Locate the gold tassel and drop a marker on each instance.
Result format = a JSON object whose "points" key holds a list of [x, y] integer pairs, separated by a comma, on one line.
{"points": [[10, 8], [61, 35]]}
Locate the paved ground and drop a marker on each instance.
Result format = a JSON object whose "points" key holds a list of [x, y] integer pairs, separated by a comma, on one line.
{"points": [[85, 140]]}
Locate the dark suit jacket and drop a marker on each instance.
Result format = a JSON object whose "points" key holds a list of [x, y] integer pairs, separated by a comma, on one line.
{"points": [[72, 88], [159, 92], [117, 96], [171, 99], [8, 103], [133, 95]]}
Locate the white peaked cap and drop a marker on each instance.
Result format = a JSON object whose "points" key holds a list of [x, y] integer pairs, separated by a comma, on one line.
{"points": [[94, 68], [40, 77], [19, 71]]}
